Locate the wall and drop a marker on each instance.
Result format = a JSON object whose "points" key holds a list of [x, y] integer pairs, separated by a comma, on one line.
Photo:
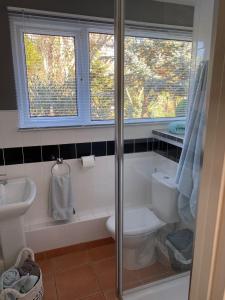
{"points": [[203, 24], [94, 197], [94, 191]]}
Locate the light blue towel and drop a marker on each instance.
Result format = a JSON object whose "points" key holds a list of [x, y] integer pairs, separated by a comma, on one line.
{"points": [[177, 127], [28, 283], [188, 173], [61, 199], [12, 279], [8, 278]]}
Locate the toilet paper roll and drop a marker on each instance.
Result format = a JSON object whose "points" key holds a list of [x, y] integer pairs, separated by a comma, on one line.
{"points": [[88, 161]]}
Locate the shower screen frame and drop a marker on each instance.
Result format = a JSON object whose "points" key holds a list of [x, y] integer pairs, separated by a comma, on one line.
{"points": [[119, 140]]}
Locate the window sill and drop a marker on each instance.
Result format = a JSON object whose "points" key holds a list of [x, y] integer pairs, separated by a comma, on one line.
{"points": [[89, 126]]}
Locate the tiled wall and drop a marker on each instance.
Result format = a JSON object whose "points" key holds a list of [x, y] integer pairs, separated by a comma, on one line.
{"points": [[33, 154], [94, 194]]}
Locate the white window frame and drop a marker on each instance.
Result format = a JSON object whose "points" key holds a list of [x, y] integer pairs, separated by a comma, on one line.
{"points": [[80, 31]]}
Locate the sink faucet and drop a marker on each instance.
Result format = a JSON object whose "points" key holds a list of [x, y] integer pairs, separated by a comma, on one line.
{"points": [[3, 181]]}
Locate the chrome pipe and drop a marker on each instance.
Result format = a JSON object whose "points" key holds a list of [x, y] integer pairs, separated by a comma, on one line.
{"points": [[119, 138]]}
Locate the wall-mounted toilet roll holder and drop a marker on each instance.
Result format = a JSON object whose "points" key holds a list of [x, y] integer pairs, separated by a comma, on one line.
{"points": [[88, 161]]}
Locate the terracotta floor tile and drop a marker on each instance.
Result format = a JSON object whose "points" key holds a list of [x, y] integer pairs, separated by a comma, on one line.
{"points": [[98, 296], [102, 252], [156, 278], [76, 283], [46, 268], [69, 261], [49, 289], [131, 285], [131, 275], [152, 271], [106, 273], [111, 295]]}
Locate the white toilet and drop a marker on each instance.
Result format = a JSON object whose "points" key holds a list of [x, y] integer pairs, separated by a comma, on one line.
{"points": [[141, 224]]}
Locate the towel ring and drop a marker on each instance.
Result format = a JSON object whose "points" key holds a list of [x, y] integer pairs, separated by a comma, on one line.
{"points": [[60, 161]]}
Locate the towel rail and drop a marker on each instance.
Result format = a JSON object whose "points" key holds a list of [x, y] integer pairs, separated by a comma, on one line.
{"points": [[60, 161]]}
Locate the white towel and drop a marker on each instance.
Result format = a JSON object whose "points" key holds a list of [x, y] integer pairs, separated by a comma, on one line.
{"points": [[61, 200]]}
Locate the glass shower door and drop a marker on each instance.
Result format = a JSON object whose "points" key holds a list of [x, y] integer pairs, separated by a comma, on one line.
{"points": [[161, 86]]}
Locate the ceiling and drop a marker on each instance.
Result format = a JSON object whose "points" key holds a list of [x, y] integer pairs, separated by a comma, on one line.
{"points": [[183, 2]]}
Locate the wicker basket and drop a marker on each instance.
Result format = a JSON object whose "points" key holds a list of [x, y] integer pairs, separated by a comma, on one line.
{"points": [[37, 292]]}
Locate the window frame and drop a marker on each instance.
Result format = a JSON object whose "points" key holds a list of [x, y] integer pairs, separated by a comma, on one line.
{"points": [[79, 30]]}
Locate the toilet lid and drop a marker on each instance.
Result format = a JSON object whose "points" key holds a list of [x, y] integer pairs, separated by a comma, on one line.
{"points": [[137, 221]]}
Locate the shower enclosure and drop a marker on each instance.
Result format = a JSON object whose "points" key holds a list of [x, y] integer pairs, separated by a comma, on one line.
{"points": [[160, 87]]}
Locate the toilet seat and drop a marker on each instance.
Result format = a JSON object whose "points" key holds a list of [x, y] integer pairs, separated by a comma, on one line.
{"points": [[137, 221]]}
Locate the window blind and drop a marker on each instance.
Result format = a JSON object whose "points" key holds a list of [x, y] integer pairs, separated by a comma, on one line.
{"points": [[51, 79], [157, 73], [64, 72]]}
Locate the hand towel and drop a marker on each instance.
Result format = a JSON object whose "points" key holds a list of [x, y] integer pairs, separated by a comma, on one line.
{"points": [[177, 127], [61, 199]]}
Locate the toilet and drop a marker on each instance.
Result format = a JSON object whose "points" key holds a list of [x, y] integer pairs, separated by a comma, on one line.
{"points": [[141, 224]]}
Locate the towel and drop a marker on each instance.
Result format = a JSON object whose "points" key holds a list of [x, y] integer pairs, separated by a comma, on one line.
{"points": [[29, 267], [8, 278], [61, 200], [11, 279], [28, 284], [177, 127], [190, 164]]}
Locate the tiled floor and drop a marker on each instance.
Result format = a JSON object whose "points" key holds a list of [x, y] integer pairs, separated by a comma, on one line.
{"points": [[89, 274]]}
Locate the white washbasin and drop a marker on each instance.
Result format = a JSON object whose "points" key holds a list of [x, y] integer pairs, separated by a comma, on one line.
{"points": [[16, 196]]}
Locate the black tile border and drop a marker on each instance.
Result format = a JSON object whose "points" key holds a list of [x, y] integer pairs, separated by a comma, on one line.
{"points": [[13, 156], [1, 157], [167, 150], [32, 154], [99, 149], [168, 136], [35, 154]]}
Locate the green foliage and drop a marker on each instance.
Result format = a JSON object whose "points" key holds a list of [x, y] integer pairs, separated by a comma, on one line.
{"points": [[51, 75], [156, 76]]}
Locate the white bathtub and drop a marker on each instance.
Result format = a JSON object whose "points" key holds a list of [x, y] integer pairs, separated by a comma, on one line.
{"points": [[170, 289]]}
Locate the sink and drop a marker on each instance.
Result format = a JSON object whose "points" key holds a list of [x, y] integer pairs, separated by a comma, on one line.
{"points": [[16, 196]]}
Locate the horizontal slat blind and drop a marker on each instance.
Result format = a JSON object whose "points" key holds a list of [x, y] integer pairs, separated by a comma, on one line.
{"points": [[101, 57], [64, 71], [157, 73], [51, 79]]}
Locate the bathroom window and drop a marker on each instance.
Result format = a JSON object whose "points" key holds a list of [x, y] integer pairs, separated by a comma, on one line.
{"points": [[64, 73], [51, 75], [157, 73]]}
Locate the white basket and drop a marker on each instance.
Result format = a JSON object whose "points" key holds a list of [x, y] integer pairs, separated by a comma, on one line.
{"points": [[37, 292]]}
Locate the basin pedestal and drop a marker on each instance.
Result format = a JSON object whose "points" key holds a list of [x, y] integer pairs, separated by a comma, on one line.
{"points": [[16, 197], [12, 237]]}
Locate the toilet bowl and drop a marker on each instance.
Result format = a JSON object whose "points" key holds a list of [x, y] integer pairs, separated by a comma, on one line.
{"points": [[141, 224]]}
